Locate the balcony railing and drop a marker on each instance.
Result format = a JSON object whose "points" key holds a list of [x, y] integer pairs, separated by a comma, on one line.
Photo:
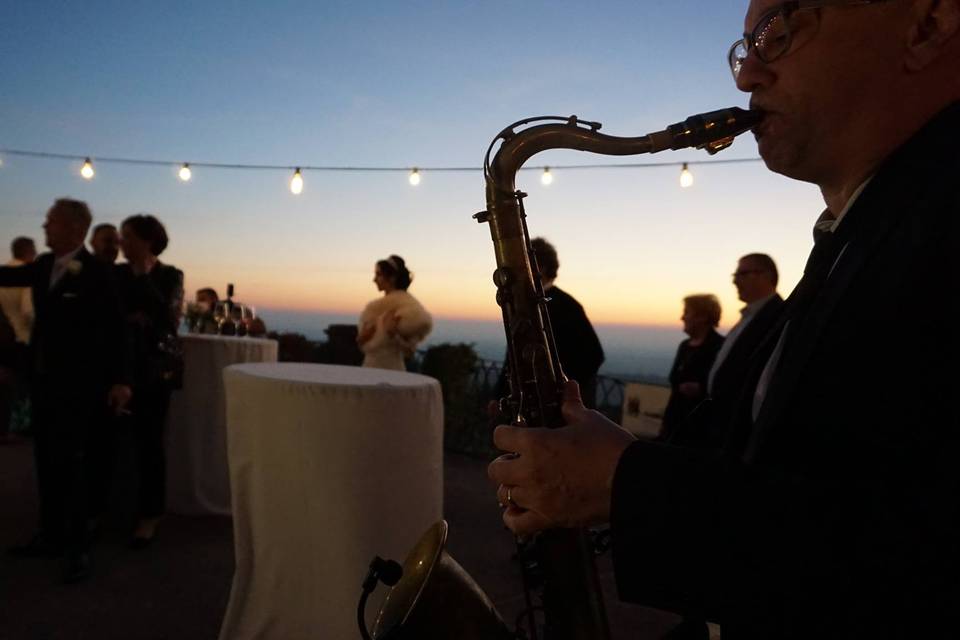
{"points": [[609, 400]]}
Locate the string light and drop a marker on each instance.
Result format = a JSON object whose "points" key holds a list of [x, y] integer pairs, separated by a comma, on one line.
{"points": [[686, 178], [87, 169], [296, 183], [185, 171]]}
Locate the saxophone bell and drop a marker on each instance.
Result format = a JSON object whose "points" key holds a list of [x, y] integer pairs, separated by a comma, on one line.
{"points": [[432, 598]]}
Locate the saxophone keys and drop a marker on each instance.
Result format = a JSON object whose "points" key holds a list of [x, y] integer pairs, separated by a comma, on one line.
{"points": [[501, 277]]}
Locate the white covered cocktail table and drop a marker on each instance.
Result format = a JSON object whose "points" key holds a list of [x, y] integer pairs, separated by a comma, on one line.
{"points": [[196, 442], [329, 465]]}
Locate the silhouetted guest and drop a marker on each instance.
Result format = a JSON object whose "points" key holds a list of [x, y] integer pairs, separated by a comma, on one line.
{"points": [[207, 298], [16, 302], [105, 242], [79, 364], [695, 356], [756, 280], [578, 347], [152, 295], [16, 309], [706, 427], [200, 312], [391, 327]]}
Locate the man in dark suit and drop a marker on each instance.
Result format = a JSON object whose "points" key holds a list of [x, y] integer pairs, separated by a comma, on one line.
{"points": [[578, 346], [707, 427], [105, 242], [78, 354], [834, 511]]}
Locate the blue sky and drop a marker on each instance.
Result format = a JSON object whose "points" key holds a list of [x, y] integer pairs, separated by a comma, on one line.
{"points": [[391, 84]]}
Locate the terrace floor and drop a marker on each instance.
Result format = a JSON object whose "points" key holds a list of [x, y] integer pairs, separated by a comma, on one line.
{"points": [[178, 588]]}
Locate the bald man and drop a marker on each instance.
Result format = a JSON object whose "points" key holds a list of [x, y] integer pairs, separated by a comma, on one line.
{"points": [[833, 512]]}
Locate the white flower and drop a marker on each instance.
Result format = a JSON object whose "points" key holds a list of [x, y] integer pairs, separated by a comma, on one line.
{"points": [[74, 267]]}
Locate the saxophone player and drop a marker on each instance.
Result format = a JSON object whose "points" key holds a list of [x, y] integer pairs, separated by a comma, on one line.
{"points": [[833, 507]]}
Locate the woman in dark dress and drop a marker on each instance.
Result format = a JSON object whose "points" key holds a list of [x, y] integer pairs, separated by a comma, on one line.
{"points": [[152, 294], [688, 377]]}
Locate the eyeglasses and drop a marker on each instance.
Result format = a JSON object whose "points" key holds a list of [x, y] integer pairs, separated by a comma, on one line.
{"points": [[771, 36], [739, 273]]}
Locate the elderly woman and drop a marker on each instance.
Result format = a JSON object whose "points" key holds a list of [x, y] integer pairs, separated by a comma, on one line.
{"points": [[391, 327], [688, 377], [152, 295]]}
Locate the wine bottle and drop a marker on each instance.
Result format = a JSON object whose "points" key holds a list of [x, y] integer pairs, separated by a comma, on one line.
{"points": [[228, 327]]}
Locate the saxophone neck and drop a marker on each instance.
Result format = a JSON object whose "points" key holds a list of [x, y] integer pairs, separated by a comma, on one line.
{"points": [[559, 133], [711, 131]]}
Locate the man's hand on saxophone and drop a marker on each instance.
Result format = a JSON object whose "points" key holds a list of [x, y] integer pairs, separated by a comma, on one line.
{"points": [[558, 477]]}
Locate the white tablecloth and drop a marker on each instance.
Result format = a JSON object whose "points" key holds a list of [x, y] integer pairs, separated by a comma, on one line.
{"points": [[198, 481], [329, 466]]}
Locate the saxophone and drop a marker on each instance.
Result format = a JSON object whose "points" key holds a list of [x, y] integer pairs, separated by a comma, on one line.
{"points": [[563, 558]]}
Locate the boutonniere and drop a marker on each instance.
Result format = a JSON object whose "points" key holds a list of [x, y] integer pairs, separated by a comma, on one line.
{"points": [[74, 267]]}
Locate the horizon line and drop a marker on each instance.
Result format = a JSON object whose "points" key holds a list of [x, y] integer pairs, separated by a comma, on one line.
{"points": [[463, 318]]}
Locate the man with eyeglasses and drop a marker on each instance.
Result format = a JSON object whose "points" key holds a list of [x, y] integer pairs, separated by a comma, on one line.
{"points": [[834, 509]]}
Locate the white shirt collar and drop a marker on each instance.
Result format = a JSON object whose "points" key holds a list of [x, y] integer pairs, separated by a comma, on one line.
{"points": [[69, 256], [754, 306], [852, 199]]}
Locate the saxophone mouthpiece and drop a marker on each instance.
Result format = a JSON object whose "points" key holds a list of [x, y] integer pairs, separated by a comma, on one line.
{"points": [[712, 131]]}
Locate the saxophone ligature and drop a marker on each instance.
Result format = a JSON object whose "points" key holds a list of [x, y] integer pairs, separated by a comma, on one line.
{"points": [[431, 599]]}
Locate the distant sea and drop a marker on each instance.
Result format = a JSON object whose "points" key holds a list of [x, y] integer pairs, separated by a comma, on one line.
{"points": [[632, 351]]}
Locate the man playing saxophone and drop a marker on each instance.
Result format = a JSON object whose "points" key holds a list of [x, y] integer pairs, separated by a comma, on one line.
{"points": [[834, 508]]}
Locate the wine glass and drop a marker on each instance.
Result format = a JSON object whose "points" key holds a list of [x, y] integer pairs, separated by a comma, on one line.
{"points": [[219, 312], [189, 316], [239, 311]]}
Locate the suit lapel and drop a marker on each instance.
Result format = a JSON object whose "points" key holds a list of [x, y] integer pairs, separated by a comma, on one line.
{"points": [[68, 276], [802, 338]]}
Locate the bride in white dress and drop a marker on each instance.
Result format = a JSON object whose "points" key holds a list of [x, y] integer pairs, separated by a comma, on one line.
{"points": [[391, 327]]}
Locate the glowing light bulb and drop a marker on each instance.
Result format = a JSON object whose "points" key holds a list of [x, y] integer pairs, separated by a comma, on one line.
{"points": [[547, 177], [414, 177], [185, 173], [296, 183], [686, 178], [87, 170]]}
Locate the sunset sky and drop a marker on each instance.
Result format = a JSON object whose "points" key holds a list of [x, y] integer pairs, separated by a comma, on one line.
{"points": [[401, 85]]}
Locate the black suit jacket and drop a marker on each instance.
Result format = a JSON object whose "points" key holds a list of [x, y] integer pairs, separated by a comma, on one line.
{"points": [[578, 346], [837, 515], [729, 378], [78, 343]]}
